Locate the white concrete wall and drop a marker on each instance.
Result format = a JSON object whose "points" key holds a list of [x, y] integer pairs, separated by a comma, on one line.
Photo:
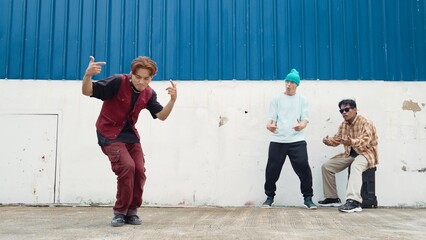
{"points": [[213, 148]]}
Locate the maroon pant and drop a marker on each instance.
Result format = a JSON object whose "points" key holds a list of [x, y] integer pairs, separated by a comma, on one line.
{"points": [[128, 163]]}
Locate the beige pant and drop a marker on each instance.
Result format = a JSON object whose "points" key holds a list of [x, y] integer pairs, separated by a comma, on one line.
{"points": [[335, 165]]}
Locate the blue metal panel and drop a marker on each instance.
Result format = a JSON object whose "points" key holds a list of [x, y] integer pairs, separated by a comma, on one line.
{"points": [[268, 39], [30, 41], [129, 33], [364, 33], [254, 41], [185, 40], [115, 59], [144, 14], [406, 53], [87, 36], [42, 60], [59, 37], [323, 44], [72, 56], [171, 49], [351, 45], [295, 22], [215, 39], [419, 39], [407, 44], [16, 43], [240, 62], [378, 36], [100, 31], [5, 21], [337, 39], [158, 35], [282, 39], [310, 35], [393, 40], [200, 40], [227, 30]]}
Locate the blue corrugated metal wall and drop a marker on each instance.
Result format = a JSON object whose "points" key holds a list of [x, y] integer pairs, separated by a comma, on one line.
{"points": [[215, 39]]}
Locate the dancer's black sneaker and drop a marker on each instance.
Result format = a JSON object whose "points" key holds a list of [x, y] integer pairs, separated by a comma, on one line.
{"points": [[330, 202]]}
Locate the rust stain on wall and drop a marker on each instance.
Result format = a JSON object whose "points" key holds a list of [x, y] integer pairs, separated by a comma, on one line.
{"points": [[411, 106]]}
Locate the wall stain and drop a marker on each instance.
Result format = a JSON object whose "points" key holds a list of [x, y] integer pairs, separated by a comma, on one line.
{"points": [[222, 121], [411, 106], [404, 168]]}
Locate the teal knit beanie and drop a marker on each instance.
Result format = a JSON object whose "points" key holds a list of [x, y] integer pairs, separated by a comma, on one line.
{"points": [[293, 76]]}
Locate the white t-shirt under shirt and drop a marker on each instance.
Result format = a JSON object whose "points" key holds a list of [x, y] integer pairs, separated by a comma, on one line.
{"points": [[285, 110]]}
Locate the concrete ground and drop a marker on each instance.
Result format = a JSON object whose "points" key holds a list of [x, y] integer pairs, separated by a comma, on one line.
{"points": [[29, 222]]}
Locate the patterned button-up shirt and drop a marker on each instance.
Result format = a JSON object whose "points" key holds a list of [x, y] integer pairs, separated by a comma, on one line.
{"points": [[363, 136]]}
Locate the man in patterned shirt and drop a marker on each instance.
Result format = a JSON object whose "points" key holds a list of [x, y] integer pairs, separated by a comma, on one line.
{"points": [[358, 136]]}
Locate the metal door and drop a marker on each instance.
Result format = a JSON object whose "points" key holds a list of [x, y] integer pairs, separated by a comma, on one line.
{"points": [[28, 144]]}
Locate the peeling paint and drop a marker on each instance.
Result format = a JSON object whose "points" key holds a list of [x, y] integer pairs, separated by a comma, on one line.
{"points": [[411, 106], [222, 121]]}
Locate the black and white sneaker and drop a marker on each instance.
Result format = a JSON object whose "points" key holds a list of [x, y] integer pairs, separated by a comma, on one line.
{"points": [[330, 202], [351, 206], [268, 202]]}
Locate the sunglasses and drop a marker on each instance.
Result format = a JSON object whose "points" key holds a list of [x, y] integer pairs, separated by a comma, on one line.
{"points": [[345, 110]]}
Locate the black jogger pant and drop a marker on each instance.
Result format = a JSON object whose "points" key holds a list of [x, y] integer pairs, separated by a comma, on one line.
{"points": [[297, 152]]}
